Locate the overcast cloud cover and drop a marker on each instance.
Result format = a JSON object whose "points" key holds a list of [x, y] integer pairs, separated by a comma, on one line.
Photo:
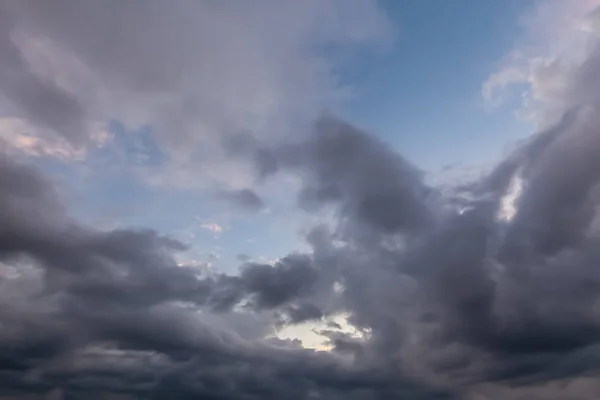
{"points": [[448, 297]]}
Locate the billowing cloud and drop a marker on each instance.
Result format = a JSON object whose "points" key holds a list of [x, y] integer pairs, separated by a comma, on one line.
{"points": [[447, 300], [105, 313], [545, 63], [445, 303], [197, 72]]}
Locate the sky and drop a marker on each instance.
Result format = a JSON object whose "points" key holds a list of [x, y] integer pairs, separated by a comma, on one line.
{"points": [[341, 199]]}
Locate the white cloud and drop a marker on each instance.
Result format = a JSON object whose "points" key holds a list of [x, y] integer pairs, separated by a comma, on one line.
{"points": [[194, 70], [508, 203], [558, 38]]}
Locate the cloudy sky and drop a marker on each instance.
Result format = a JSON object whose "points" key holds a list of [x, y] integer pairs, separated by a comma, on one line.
{"points": [[273, 199]]}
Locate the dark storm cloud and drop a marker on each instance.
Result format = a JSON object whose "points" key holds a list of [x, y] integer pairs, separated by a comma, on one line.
{"points": [[441, 300], [264, 286], [458, 298], [371, 183], [512, 299], [303, 312], [271, 286], [116, 289], [526, 293], [125, 267], [104, 316], [496, 183]]}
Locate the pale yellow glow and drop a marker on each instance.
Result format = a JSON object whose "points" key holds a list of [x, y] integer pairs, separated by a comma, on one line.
{"points": [[308, 332]]}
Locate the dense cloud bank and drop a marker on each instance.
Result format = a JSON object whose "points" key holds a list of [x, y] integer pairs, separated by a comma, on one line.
{"points": [[453, 297], [88, 312], [446, 298]]}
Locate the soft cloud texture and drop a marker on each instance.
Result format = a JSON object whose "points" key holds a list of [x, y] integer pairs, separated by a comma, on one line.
{"points": [[195, 71], [452, 304], [559, 38], [440, 301]]}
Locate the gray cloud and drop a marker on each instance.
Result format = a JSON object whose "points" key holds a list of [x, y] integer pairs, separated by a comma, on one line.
{"points": [[444, 300], [447, 303], [194, 71], [105, 313], [271, 286], [338, 164], [303, 312], [38, 99], [456, 297]]}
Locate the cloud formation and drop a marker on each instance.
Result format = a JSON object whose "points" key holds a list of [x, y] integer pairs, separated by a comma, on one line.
{"points": [[445, 302], [106, 313], [558, 39], [195, 71], [452, 300]]}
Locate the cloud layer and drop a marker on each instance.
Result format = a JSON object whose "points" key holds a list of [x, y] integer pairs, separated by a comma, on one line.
{"points": [[445, 302], [196, 72]]}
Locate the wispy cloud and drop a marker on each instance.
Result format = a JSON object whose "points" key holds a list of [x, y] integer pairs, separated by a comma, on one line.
{"points": [[215, 228]]}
